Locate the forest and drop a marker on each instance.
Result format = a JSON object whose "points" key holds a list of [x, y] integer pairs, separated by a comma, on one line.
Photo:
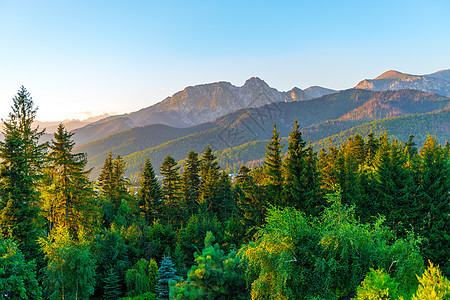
{"points": [[366, 219]]}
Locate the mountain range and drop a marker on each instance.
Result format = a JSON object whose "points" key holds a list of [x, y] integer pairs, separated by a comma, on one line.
{"points": [[238, 121]]}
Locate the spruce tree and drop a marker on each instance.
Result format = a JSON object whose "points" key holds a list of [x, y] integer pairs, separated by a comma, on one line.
{"points": [[191, 182], [112, 288], [21, 158], [273, 167], [209, 173], [172, 191], [166, 273], [150, 194], [69, 199]]}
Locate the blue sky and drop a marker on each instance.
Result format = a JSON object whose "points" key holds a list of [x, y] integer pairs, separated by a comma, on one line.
{"points": [[79, 58]]}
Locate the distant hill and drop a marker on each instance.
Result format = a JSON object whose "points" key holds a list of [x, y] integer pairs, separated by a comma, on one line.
{"points": [[318, 91], [195, 105], [319, 118], [437, 82]]}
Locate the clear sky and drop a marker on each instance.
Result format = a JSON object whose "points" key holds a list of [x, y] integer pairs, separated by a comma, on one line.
{"points": [[79, 58]]}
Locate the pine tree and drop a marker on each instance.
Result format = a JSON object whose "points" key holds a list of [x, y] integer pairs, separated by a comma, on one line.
{"points": [[112, 182], [215, 275], [172, 190], [273, 164], [150, 194], [21, 159], [372, 146], [191, 182], [166, 273], [69, 199]]}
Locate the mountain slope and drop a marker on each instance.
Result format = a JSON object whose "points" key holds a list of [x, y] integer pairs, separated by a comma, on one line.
{"points": [[193, 105], [346, 109], [393, 80]]}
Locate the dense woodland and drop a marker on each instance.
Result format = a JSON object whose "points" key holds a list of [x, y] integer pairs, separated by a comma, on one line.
{"points": [[368, 218]]}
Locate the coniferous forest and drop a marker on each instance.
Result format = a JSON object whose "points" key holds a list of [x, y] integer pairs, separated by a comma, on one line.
{"points": [[366, 219]]}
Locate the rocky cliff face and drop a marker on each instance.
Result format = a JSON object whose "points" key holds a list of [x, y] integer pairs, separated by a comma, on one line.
{"points": [[393, 80]]}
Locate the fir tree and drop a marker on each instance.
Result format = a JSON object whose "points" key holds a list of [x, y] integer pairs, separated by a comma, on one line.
{"points": [[150, 194], [21, 159], [273, 164], [166, 273]]}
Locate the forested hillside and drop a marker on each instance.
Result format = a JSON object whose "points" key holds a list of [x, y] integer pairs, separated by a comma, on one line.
{"points": [[367, 218]]}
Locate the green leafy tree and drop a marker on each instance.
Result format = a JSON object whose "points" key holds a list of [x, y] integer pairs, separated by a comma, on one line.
{"points": [[150, 194], [152, 274], [191, 182], [172, 191], [166, 273], [433, 285], [273, 167], [21, 159], [70, 272], [17, 277], [215, 276], [69, 197], [377, 285], [137, 279]]}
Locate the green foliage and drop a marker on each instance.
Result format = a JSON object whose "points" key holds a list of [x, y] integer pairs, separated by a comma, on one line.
{"points": [[17, 277], [296, 258], [191, 182], [432, 285], [377, 285], [71, 267], [210, 198], [166, 273], [216, 276]]}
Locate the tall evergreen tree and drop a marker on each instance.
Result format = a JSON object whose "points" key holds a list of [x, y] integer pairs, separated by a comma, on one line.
{"points": [[21, 158], [150, 194], [209, 173], [172, 190], [273, 167], [69, 199], [191, 182], [302, 182]]}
